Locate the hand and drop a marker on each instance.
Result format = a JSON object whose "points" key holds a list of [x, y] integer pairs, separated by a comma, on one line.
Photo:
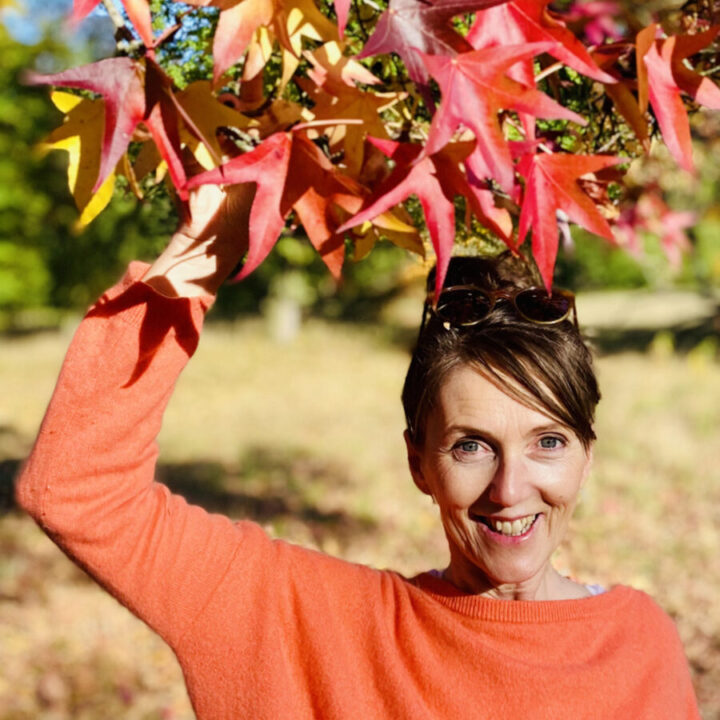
{"points": [[211, 239]]}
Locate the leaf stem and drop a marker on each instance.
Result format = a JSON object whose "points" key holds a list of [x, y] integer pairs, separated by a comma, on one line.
{"points": [[548, 71]]}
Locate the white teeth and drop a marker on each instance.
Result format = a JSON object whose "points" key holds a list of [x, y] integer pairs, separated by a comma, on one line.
{"points": [[516, 527]]}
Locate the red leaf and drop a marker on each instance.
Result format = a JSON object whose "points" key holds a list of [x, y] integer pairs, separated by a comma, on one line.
{"points": [[474, 89], [424, 25], [528, 21], [313, 188], [435, 180], [551, 185], [342, 8], [119, 81], [163, 122], [663, 77], [267, 166], [237, 23], [291, 173], [133, 93]]}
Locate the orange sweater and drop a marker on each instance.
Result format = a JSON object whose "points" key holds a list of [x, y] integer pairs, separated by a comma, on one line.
{"points": [[267, 630]]}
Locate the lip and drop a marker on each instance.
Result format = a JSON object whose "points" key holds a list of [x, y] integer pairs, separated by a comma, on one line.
{"points": [[501, 539]]}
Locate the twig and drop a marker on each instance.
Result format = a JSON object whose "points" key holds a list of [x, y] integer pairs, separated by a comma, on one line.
{"points": [[115, 16], [609, 143], [548, 71], [330, 121]]}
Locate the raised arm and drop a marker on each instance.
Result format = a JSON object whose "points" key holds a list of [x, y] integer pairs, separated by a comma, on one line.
{"points": [[89, 480]]}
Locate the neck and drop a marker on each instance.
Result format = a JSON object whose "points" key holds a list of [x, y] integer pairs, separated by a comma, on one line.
{"points": [[546, 585]]}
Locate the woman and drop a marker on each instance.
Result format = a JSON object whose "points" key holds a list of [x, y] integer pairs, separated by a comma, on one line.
{"points": [[499, 402]]}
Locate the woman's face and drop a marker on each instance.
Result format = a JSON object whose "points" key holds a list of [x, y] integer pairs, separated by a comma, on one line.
{"points": [[506, 479]]}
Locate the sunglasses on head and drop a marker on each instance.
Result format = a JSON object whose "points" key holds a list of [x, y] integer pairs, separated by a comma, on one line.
{"points": [[467, 305]]}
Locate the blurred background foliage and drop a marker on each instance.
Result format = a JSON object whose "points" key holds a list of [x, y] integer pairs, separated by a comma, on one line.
{"points": [[48, 268]]}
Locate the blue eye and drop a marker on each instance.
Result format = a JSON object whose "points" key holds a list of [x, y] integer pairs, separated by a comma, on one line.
{"points": [[469, 446], [551, 442], [471, 450]]}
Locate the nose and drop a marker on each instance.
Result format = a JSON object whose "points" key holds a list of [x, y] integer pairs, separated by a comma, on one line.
{"points": [[511, 482]]}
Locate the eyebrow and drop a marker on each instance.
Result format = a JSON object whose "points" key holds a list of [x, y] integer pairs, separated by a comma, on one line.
{"points": [[471, 430]]}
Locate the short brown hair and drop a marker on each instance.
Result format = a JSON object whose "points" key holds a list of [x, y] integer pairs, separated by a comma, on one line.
{"points": [[546, 367]]}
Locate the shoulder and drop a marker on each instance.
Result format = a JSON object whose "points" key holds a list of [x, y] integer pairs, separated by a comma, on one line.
{"points": [[645, 622]]}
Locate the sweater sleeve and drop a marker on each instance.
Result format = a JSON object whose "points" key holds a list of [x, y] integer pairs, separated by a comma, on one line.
{"points": [[89, 479]]}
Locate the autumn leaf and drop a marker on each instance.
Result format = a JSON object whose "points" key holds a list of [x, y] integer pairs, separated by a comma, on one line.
{"points": [[411, 25], [119, 81], [332, 71], [81, 135], [162, 120], [342, 9], [663, 77], [395, 225], [474, 89], [203, 114], [435, 179], [133, 92], [267, 166], [289, 21], [530, 21], [138, 11], [360, 107], [551, 185], [621, 92], [291, 173]]}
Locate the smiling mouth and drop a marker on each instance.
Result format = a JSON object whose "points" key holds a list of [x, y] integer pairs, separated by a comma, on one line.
{"points": [[509, 528]]}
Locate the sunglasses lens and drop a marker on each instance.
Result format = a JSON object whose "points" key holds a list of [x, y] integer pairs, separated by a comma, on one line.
{"points": [[463, 306], [536, 305]]}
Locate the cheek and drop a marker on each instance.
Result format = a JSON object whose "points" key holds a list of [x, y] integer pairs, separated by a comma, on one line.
{"points": [[462, 487], [562, 488]]}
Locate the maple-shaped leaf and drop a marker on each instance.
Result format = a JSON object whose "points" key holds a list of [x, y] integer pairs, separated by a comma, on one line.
{"points": [[267, 166], [551, 185], [424, 25], [662, 78], [133, 92], [289, 21], [529, 21], [203, 114], [81, 135], [435, 179], [395, 225], [119, 80], [331, 70], [475, 88], [138, 11], [360, 107], [291, 173]]}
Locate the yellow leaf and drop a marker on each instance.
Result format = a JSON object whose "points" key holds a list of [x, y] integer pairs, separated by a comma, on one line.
{"points": [[208, 114], [63, 101], [390, 226], [331, 68], [81, 136], [147, 160], [98, 202]]}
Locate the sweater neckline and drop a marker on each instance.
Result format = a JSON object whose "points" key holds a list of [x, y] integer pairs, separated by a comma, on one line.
{"points": [[520, 611]]}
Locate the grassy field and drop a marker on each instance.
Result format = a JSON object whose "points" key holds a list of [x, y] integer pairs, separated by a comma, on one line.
{"points": [[307, 439]]}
